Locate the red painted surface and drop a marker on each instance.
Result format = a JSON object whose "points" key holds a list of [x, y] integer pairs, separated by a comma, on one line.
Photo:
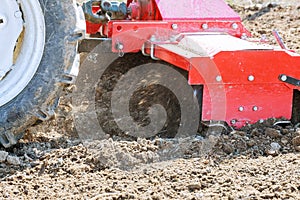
{"points": [[189, 16], [144, 10], [222, 100], [196, 10], [93, 28], [134, 34], [233, 97]]}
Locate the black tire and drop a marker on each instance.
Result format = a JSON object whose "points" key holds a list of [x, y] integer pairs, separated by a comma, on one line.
{"points": [[41, 96]]}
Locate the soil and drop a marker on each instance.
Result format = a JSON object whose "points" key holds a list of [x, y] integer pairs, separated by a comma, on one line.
{"points": [[260, 161]]}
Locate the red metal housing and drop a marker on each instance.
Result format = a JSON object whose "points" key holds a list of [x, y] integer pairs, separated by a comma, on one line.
{"points": [[206, 38]]}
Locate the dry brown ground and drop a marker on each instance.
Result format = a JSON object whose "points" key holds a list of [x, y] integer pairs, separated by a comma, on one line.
{"points": [[241, 165]]}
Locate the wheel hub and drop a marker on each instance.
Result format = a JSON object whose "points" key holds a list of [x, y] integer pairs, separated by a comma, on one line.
{"points": [[11, 25]]}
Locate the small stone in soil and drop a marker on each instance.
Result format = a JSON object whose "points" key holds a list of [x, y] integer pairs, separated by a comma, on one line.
{"points": [[273, 133], [297, 148], [275, 146], [296, 141], [255, 132], [193, 187], [271, 152], [228, 149], [13, 160], [3, 156]]}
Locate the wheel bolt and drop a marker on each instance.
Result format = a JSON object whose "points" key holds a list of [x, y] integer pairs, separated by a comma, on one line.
{"points": [[2, 21], [18, 14]]}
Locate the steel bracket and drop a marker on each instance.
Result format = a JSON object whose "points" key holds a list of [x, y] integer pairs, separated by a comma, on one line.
{"points": [[289, 80]]}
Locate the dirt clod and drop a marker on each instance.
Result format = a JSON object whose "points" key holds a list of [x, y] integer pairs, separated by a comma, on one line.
{"points": [[3, 156], [273, 133], [13, 160]]}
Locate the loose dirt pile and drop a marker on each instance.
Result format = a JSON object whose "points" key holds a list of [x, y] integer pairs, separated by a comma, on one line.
{"points": [[262, 19], [258, 162]]}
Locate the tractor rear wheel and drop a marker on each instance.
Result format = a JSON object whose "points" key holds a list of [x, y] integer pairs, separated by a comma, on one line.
{"points": [[38, 44]]}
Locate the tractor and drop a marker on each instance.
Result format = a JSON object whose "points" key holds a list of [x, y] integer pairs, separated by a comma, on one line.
{"points": [[154, 67]]}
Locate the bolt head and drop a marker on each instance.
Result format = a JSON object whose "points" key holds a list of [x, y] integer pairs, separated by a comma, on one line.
{"points": [[251, 78], [153, 38], [174, 26], [219, 78], [120, 46], [255, 108], [283, 78], [205, 26], [241, 108], [235, 26]]}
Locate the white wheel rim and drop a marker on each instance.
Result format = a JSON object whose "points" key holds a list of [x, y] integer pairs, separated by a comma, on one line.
{"points": [[18, 75]]}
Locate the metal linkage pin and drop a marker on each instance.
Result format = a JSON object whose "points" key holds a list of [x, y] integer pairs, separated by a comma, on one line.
{"points": [[120, 47]]}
